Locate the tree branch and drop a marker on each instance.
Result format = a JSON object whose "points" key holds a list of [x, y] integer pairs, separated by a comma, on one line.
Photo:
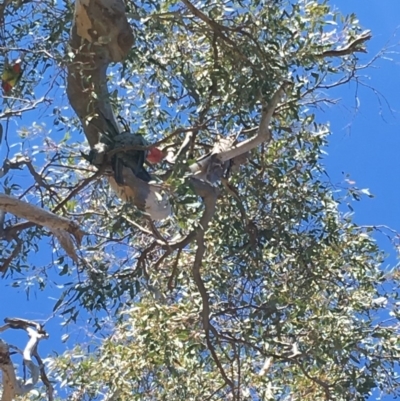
{"points": [[217, 28], [39, 216], [12, 386], [224, 153], [352, 47], [13, 230], [209, 195], [100, 35]]}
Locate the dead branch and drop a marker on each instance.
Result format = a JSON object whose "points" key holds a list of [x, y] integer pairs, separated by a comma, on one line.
{"points": [[352, 47], [13, 386], [172, 157], [19, 161], [66, 242], [19, 112]]}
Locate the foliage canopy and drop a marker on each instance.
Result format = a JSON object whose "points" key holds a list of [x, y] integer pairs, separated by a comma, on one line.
{"points": [[290, 302]]}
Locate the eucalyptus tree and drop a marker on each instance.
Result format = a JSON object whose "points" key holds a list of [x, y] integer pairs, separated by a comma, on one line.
{"points": [[232, 273]]}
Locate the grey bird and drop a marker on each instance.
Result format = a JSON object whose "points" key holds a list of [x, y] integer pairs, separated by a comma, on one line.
{"points": [[132, 158]]}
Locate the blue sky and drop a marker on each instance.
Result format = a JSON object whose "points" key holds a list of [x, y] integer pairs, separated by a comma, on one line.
{"points": [[365, 145]]}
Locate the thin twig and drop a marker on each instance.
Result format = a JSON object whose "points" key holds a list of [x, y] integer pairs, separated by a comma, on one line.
{"points": [[15, 252]]}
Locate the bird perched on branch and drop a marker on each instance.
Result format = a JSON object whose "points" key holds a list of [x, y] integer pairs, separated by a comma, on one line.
{"points": [[12, 73], [133, 158], [127, 155], [123, 150]]}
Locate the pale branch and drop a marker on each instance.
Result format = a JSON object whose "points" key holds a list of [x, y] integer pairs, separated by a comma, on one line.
{"points": [[32, 106], [18, 323], [223, 152], [39, 216], [19, 161], [22, 50], [138, 226], [13, 386], [353, 47], [60, 227], [66, 242], [11, 231], [10, 165], [263, 133], [172, 158], [100, 35]]}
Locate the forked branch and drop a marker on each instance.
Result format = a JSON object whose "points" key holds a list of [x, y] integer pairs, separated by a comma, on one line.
{"points": [[13, 386]]}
